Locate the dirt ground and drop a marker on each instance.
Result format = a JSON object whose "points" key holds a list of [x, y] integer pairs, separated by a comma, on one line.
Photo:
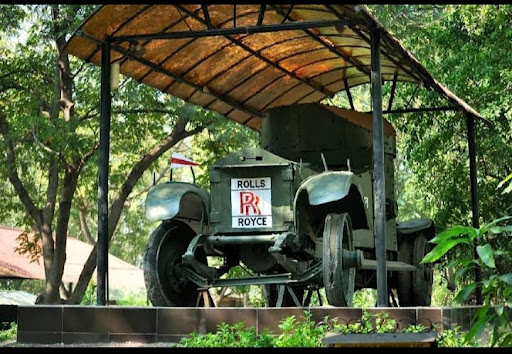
{"points": [[14, 344]]}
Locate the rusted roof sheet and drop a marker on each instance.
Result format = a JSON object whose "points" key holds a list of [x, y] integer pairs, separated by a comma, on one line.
{"points": [[241, 75], [123, 275]]}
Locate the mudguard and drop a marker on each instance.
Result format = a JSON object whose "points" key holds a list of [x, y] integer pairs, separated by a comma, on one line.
{"points": [[411, 227], [330, 186], [176, 199]]}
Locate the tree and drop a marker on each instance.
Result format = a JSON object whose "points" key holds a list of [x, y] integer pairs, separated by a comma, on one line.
{"points": [[464, 47], [49, 105]]}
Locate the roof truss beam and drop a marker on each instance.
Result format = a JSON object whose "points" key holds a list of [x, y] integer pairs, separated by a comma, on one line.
{"points": [[285, 17], [261, 57], [367, 40], [261, 14], [175, 77], [206, 16], [332, 49], [417, 110], [349, 95], [392, 94], [213, 32]]}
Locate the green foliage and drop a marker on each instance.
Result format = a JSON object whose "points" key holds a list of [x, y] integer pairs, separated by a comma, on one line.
{"points": [[508, 188], [417, 328], [293, 333], [90, 296], [375, 323], [10, 333], [303, 333], [236, 335], [217, 141], [455, 338], [463, 47], [30, 92], [495, 289], [365, 297], [495, 286], [441, 295], [307, 333], [131, 299], [33, 286]]}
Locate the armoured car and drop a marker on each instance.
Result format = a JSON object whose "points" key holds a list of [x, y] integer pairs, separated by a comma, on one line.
{"points": [[296, 213]]}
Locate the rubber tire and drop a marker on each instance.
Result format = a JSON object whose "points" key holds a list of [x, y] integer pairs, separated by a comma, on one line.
{"points": [[339, 283], [165, 284], [415, 288]]}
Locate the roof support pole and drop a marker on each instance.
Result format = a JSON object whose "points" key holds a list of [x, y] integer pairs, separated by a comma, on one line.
{"points": [[470, 121], [349, 95], [103, 162], [392, 95], [379, 196]]}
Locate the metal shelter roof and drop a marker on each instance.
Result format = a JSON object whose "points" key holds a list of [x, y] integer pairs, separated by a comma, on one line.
{"points": [[240, 60]]}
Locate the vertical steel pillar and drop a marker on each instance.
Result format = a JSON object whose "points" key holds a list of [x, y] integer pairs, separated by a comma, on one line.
{"points": [[103, 163], [379, 193], [470, 122]]}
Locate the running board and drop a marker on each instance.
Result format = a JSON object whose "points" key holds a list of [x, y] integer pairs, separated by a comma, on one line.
{"points": [[390, 265]]}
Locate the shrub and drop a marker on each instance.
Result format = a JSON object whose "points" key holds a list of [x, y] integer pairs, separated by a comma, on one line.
{"points": [[9, 334]]}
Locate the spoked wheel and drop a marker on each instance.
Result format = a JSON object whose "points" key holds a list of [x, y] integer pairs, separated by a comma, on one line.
{"points": [[166, 282], [338, 279], [271, 292], [415, 288]]}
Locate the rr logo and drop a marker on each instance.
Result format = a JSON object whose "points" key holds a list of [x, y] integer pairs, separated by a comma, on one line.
{"points": [[249, 200]]}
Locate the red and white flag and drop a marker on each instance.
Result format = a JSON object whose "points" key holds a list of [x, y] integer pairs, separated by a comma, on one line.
{"points": [[178, 160]]}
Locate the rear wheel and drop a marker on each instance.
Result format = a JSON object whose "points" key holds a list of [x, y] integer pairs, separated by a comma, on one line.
{"points": [[339, 280], [414, 288], [166, 281]]}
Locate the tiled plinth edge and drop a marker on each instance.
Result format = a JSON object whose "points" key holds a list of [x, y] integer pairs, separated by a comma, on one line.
{"points": [[92, 324]]}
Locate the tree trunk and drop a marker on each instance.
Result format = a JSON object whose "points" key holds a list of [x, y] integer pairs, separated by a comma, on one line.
{"points": [[178, 133], [54, 252]]}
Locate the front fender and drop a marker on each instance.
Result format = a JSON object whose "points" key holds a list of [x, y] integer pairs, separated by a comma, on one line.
{"points": [[341, 187], [176, 199], [327, 186]]}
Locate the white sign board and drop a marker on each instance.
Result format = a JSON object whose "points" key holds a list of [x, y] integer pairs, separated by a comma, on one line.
{"points": [[251, 202]]}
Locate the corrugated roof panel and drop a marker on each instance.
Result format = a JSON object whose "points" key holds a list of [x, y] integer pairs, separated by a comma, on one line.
{"points": [[260, 41], [289, 48], [201, 99], [246, 70], [301, 59], [256, 83], [263, 97], [220, 107], [326, 77], [314, 96], [155, 19], [318, 68], [352, 81], [161, 50], [242, 118], [289, 97], [156, 80], [218, 63]]}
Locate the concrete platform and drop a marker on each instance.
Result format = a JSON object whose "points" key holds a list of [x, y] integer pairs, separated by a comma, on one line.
{"points": [[92, 324]]}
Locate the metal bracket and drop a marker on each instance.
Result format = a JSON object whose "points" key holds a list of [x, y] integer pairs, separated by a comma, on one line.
{"points": [[190, 259]]}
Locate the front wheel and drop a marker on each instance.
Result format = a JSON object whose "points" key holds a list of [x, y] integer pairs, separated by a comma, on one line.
{"points": [[339, 280], [164, 275]]}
